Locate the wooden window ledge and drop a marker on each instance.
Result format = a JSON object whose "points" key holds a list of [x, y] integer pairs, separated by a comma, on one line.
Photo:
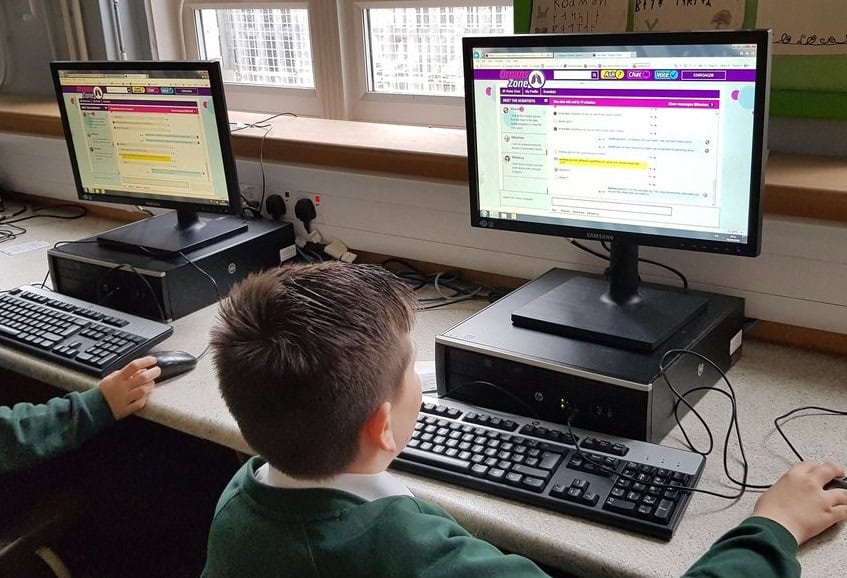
{"points": [[795, 185]]}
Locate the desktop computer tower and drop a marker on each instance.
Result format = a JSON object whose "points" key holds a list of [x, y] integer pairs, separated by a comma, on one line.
{"points": [[487, 361], [166, 288]]}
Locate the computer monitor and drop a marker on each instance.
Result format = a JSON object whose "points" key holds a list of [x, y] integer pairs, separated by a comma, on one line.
{"points": [[153, 134], [634, 139]]}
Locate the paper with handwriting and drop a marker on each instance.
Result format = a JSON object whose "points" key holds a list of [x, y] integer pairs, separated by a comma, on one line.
{"points": [[579, 15], [669, 15], [811, 27]]}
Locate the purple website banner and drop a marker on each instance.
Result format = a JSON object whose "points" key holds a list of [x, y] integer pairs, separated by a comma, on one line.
{"points": [[616, 102], [653, 93], [164, 90], [106, 101], [613, 75]]}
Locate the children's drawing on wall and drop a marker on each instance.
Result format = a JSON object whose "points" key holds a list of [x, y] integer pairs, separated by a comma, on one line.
{"points": [[821, 28], [579, 15], [668, 15]]}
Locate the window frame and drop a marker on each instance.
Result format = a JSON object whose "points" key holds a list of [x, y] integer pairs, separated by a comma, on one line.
{"points": [[257, 97], [340, 75], [432, 110]]}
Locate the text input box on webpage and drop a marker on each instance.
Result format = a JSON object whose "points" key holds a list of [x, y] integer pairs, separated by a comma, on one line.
{"points": [[613, 208]]}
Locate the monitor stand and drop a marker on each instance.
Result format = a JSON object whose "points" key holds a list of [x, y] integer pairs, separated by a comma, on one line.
{"points": [[180, 231], [616, 312]]}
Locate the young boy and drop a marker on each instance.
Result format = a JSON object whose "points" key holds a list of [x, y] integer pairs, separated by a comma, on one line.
{"points": [[316, 364], [30, 434]]}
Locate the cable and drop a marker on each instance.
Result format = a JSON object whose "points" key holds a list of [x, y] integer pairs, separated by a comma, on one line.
{"points": [[56, 245], [676, 272], [500, 389], [777, 425], [657, 264], [105, 275], [268, 128], [452, 280], [82, 212], [217, 292], [663, 367], [15, 214], [589, 458]]}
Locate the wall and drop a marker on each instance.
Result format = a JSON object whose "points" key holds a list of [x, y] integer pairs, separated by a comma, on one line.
{"points": [[799, 279]]}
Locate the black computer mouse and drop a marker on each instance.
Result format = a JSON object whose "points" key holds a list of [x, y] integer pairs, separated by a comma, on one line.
{"points": [[173, 363], [836, 484]]}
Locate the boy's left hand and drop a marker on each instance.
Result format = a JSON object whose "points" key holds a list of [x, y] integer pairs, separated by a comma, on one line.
{"points": [[127, 389]]}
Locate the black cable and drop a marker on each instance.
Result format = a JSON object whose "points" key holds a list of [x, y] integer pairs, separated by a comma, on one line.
{"points": [[498, 388], [663, 367], [36, 215], [776, 423], [612, 471], [106, 274], [56, 246], [217, 292], [676, 272], [579, 245], [589, 458], [14, 214]]}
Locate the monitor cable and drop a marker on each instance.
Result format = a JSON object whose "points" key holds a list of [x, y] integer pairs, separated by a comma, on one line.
{"points": [[217, 293], [605, 257]]}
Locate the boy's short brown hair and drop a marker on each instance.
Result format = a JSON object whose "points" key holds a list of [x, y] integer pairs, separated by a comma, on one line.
{"points": [[305, 354]]}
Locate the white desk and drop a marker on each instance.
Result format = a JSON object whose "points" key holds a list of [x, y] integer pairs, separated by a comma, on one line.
{"points": [[769, 380]]}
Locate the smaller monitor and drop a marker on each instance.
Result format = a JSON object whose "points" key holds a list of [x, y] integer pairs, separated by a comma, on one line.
{"points": [[152, 134]]}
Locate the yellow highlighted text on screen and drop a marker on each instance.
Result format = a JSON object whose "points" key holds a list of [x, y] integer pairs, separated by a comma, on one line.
{"points": [[640, 165], [140, 157]]}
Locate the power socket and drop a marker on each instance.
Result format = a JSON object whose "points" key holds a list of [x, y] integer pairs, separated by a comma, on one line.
{"points": [[292, 196], [252, 194]]}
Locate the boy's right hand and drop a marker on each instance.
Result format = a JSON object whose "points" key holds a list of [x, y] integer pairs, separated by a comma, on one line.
{"points": [[127, 389], [799, 503]]}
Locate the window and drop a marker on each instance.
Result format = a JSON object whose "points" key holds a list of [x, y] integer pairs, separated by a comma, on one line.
{"points": [[418, 50], [375, 60]]}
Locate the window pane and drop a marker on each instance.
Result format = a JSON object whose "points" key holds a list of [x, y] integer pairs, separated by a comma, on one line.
{"points": [[258, 46], [419, 50]]}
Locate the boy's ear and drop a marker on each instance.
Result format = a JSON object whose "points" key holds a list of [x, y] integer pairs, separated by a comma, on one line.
{"points": [[377, 430]]}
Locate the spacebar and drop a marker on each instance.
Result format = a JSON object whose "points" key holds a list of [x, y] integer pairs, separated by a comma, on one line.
{"points": [[438, 460]]}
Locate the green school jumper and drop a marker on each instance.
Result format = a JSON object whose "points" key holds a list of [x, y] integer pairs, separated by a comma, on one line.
{"points": [[262, 531], [30, 434]]}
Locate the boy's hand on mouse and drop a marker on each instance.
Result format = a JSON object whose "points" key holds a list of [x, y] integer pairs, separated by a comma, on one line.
{"points": [[127, 389], [799, 503]]}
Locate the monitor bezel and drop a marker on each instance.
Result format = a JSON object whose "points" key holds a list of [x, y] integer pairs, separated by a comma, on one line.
{"points": [[762, 39], [233, 206]]}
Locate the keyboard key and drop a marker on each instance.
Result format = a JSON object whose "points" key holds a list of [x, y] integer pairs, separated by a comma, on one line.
{"points": [[446, 462], [514, 478], [663, 511], [533, 484], [620, 506], [534, 472], [590, 498]]}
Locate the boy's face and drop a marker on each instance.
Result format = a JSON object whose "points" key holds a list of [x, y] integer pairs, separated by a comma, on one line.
{"points": [[407, 402]]}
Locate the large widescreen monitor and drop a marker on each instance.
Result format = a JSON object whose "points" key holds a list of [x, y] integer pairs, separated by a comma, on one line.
{"points": [[152, 134], [634, 139]]}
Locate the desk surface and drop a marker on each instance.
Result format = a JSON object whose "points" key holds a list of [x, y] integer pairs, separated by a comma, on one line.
{"points": [[769, 380]]}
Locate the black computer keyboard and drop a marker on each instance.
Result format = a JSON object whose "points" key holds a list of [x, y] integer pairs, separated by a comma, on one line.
{"points": [[623, 482], [74, 333]]}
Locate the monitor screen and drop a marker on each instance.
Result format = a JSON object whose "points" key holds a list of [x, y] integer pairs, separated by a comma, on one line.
{"points": [[652, 138], [152, 134]]}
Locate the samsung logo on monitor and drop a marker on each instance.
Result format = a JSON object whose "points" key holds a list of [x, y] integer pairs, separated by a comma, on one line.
{"points": [[600, 236]]}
